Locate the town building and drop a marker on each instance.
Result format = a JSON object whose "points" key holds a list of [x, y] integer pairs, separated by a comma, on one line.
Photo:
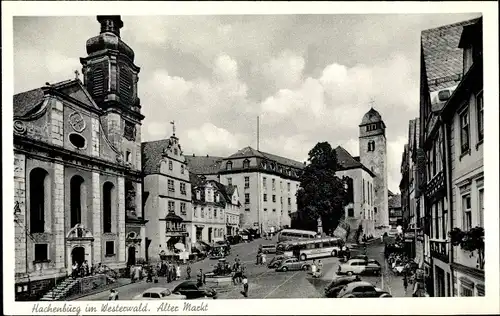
{"points": [[395, 211], [463, 116], [441, 71], [167, 198], [77, 165], [359, 180], [404, 187], [373, 155], [215, 210]]}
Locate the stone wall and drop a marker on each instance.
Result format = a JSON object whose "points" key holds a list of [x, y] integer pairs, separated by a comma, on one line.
{"points": [[58, 208], [57, 123], [20, 217], [95, 137]]}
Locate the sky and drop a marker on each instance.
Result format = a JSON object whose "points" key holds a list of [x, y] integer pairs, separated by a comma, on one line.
{"points": [[310, 78]]}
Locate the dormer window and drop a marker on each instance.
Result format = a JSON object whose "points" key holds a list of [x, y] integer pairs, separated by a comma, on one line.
{"points": [[198, 195], [468, 58], [170, 165], [176, 151], [229, 165], [182, 169], [246, 163], [217, 198]]}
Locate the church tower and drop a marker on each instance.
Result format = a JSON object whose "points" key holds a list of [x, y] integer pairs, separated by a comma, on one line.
{"points": [[373, 154]]}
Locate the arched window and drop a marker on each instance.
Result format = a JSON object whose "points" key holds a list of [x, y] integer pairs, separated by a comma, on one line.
{"points": [[76, 200], [229, 165], [246, 163], [107, 206], [39, 199]]}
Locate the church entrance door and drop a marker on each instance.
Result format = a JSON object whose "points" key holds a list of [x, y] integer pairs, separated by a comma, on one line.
{"points": [[78, 255]]}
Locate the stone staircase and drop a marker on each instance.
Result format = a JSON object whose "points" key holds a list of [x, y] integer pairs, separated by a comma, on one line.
{"points": [[61, 290]]}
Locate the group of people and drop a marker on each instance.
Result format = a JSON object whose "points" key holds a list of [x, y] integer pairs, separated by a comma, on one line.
{"points": [[80, 270], [170, 270], [238, 270], [261, 258]]}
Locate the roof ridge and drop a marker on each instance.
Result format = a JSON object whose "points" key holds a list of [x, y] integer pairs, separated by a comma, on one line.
{"points": [[455, 24]]}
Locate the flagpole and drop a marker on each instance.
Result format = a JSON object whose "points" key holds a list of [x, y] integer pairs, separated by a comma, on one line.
{"points": [[258, 133]]}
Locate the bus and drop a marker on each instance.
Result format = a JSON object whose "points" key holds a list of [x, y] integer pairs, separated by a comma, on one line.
{"points": [[310, 249], [295, 234]]}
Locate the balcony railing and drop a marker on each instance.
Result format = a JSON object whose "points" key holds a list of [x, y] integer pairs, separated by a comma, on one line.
{"points": [[175, 231], [436, 185], [440, 250]]}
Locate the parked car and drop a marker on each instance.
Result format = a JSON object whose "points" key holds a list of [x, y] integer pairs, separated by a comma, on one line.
{"points": [[360, 266], [159, 293], [292, 264], [333, 289], [361, 289], [233, 240], [362, 257], [275, 262], [193, 291], [270, 248]]}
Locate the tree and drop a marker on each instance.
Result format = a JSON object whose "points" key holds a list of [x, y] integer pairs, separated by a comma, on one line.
{"points": [[321, 194]]}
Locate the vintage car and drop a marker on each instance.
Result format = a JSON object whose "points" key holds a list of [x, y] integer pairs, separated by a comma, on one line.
{"points": [[333, 289], [361, 289], [271, 248], [275, 262], [159, 293], [292, 264], [360, 266], [192, 290]]}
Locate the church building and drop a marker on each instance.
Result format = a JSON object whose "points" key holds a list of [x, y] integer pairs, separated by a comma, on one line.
{"points": [[77, 162]]}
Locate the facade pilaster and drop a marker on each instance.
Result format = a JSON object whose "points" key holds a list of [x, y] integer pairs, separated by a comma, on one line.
{"points": [[20, 212], [96, 217], [121, 220], [58, 207]]}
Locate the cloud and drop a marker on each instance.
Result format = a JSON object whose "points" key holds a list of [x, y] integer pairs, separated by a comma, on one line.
{"points": [[284, 71], [212, 140]]}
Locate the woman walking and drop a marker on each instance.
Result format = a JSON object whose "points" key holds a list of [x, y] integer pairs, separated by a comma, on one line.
{"points": [[178, 272]]}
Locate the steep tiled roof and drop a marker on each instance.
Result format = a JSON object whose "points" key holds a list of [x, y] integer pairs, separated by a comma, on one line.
{"points": [[26, 102], [152, 155], [346, 161], [203, 164], [230, 189], [395, 201], [442, 56], [248, 152]]}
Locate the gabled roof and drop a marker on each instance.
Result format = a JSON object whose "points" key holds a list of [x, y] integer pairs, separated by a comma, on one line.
{"points": [[230, 189], [27, 102], [395, 201], [442, 56], [203, 164], [248, 152], [152, 154], [345, 161]]}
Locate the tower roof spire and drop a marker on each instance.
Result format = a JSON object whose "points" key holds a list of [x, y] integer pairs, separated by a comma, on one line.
{"points": [[110, 23]]}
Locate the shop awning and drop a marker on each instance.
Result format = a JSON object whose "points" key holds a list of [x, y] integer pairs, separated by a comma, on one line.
{"points": [[172, 217]]}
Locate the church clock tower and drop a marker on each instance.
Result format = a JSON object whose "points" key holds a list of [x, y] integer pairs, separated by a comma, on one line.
{"points": [[373, 155]]}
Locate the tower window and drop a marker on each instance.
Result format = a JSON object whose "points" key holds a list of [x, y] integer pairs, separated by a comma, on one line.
{"points": [[371, 145]]}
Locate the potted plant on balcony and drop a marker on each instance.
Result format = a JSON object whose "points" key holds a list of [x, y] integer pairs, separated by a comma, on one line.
{"points": [[470, 241]]}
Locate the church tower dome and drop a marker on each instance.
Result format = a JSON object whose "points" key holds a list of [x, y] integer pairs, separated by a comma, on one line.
{"points": [[110, 74]]}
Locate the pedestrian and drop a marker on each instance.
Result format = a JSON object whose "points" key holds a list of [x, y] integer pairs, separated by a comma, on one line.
{"points": [[167, 273], [74, 270], [178, 272], [245, 286], [188, 272], [257, 262], [199, 278], [320, 267], [263, 259], [113, 295], [313, 269], [405, 283]]}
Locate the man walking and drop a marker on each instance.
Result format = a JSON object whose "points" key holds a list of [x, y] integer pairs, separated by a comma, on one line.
{"points": [[188, 272], [245, 286], [405, 283]]}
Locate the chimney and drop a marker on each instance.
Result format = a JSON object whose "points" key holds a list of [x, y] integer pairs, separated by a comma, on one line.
{"points": [[193, 155], [207, 155]]}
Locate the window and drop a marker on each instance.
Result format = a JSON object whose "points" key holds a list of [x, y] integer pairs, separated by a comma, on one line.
{"points": [[364, 197], [171, 187], [215, 213], [210, 213], [466, 291], [247, 210], [375, 209], [467, 213], [274, 210], [183, 208], [265, 210], [182, 169], [247, 182], [170, 165], [281, 200], [171, 206], [229, 181], [273, 184], [264, 183], [128, 156], [217, 197], [288, 185], [464, 131], [198, 195], [195, 211], [350, 212], [246, 163], [247, 198], [480, 116], [39, 197], [229, 165], [202, 212], [481, 207], [371, 145], [107, 205], [265, 197], [183, 188], [289, 201], [468, 58], [41, 252], [110, 248], [274, 198], [77, 196]]}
